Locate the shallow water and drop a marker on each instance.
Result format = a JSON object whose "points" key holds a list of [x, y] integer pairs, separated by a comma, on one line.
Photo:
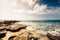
{"points": [[44, 27], [43, 24]]}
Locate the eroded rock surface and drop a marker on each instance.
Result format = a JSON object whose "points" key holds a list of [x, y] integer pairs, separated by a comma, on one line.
{"points": [[10, 30]]}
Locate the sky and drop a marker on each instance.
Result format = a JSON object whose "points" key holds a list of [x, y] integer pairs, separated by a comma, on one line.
{"points": [[30, 9]]}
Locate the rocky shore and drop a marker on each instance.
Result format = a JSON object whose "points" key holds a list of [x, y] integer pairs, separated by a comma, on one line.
{"points": [[12, 30]]}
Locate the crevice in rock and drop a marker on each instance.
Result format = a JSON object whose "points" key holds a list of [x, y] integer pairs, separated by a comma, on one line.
{"points": [[2, 35], [11, 38], [15, 30]]}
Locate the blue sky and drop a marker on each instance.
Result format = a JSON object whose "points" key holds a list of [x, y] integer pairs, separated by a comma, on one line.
{"points": [[30, 9], [49, 3]]}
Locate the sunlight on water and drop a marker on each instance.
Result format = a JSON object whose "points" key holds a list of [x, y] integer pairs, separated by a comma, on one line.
{"points": [[44, 27]]}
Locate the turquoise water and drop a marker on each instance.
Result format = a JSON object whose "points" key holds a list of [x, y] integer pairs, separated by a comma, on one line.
{"points": [[43, 26], [46, 23], [53, 22], [41, 20]]}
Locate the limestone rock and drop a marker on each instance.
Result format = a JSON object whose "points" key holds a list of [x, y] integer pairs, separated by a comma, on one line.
{"points": [[8, 22], [10, 30], [29, 35], [52, 37], [15, 27], [4, 24]]}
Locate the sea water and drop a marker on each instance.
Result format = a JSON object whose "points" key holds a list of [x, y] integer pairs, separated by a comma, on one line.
{"points": [[43, 26]]}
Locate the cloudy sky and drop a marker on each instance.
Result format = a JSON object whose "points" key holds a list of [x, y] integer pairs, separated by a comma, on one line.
{"points": [[30, 9]]}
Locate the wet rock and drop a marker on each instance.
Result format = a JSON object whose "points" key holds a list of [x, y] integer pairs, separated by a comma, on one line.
{"points": [[52, 37]]}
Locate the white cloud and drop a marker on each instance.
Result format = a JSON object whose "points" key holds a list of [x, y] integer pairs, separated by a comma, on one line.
{"points": [[54, 11], [25, 6], [21, 9], [40, 8], [31, 3], [34, 7]]}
